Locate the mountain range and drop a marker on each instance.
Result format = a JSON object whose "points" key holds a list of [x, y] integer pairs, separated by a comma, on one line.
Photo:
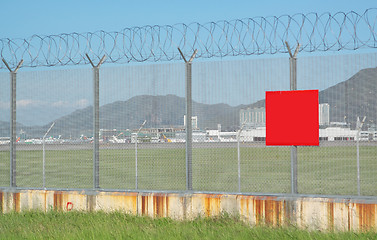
{"points": [[355, 97]]}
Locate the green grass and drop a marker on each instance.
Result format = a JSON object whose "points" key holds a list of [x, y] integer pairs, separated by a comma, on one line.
{"points": [[116, 225], [321, 170]]}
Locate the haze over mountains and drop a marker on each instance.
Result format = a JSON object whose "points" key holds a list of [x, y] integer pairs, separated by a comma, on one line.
{"points": [[348, 100]]}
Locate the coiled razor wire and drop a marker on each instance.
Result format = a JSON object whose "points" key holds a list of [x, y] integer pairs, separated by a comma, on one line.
{"points": [[251, 36]]}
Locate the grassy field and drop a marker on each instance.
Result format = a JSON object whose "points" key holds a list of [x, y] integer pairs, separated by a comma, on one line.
{"points": [[321, 170], [99, 225]]}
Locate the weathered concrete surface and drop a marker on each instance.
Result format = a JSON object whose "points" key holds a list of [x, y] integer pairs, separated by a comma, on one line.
{"points": [[304, 212]]}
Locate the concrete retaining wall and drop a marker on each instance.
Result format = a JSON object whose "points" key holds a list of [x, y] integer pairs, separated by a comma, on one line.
{"points": [[304, 212]]}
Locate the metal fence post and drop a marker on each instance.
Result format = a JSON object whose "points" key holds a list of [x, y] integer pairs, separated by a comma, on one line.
{"points": [[188, 118], [12, 143], [293, 87], [96, 120]]}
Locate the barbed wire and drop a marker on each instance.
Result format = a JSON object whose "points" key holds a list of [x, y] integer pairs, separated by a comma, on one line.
{"points": [[251, 36]]}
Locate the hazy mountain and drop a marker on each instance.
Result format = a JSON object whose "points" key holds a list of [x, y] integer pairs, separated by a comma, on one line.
{"points": [[356, 97], [159, 111], [5, 128], [347, 100]]}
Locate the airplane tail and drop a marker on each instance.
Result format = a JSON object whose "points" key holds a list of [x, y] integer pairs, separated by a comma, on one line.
{"points": [[166, 139]]}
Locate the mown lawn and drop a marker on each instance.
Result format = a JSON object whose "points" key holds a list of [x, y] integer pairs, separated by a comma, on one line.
{"points": [[321, 170]]}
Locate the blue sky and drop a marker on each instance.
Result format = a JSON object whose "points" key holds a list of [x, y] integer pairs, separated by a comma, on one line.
{"points": [[44, 94], [23, 18]]}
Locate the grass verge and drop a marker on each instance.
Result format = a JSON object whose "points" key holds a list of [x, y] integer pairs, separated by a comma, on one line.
{"points": [[116, 225]]}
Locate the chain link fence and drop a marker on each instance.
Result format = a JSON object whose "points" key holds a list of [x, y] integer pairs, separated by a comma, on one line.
{"points": [[142, 128]]}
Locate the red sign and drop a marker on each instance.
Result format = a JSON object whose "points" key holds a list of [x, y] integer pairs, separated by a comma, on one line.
{"points": [[292, 118]]}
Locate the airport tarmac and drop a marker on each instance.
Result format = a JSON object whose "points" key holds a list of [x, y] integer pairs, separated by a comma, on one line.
{"points": [[180, 145]]}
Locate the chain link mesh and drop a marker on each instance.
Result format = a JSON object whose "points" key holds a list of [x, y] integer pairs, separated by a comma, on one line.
{"points": [[142, 108], [4, 130]]}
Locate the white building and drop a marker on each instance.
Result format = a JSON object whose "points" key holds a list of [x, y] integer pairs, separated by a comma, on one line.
{"points": [[368, 135], [253, 135], [259, 134], [256, 117], [253, 117], [194, 121], [324, 114], [337, 134]]}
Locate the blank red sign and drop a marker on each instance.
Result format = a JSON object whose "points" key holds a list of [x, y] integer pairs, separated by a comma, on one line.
{"points": [[292, 118]]}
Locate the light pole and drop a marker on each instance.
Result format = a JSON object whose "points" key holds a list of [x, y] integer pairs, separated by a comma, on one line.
{"points": [[359, 125], [239, 155], [44, 155], [137, 133]]}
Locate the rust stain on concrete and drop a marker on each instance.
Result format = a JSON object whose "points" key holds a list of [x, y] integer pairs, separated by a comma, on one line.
{"points": [[212, 204], [289, 211], [134, 202], [144, 205], [258, 210], [58, 201], [131, 200], [349, 216], [244, 207], [268, 210], [123, 201], [185, 208], [16, 202], [167, 206], [272, 212], [159, 204], [367, 216], [330, 214]]}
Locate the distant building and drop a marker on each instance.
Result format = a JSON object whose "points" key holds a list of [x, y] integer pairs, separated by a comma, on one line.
{"points": [[194, 121], [107, 133], [324, 114], [162, 131], [253, 117], [256, 117], [22, 134]]}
